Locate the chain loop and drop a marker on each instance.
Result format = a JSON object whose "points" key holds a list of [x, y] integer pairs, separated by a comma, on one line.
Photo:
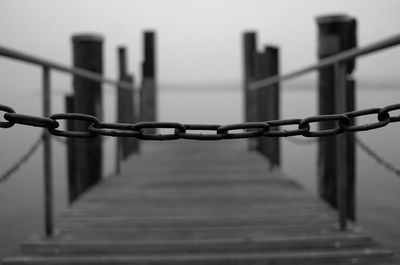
{"points": [[181, 133], [261, 128], [305, 123], [113, 129], [74, 116], [6, 124], [139, 127], [385, 110], [383, 120], [285, 133], [31, 120]]}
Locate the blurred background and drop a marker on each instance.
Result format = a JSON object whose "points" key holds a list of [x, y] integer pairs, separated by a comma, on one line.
{"points": [[199, 68]]}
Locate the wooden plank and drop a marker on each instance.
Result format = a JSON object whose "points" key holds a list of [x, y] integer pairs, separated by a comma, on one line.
{"points": [[344, 257], [190, 203]]}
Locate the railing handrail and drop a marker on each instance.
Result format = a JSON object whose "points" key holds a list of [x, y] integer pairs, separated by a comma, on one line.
{"points": [[48, 65], [28, 58], [331, 60]]}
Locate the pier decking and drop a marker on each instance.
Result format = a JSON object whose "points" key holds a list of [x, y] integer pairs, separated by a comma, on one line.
{"points": [[186, 202]]}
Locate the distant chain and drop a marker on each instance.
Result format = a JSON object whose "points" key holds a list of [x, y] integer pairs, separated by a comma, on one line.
{"points": [[9, 172], [273, 128], [390, 167], [364, 147]]}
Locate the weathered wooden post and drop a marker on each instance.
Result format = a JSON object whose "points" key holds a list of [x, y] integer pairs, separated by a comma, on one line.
{"points": [[268, 102], [336, 33], [148, 107], [249, 71], [87, 54], [47, 157], [260, 98], [125, 110]]}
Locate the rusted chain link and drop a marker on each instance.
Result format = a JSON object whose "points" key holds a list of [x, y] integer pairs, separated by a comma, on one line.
{"points": [[8, 173], [219, 132]]}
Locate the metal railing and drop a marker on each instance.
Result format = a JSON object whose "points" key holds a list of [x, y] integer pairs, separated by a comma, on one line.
{"points": [[331, 60], [338, 62], [47, 66]]}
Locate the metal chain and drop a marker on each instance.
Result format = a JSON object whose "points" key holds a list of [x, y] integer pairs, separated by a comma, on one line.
{"points": [[378, 158], [8, 173], [219, 132]]}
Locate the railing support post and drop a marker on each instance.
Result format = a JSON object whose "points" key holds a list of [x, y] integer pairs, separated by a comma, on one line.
{"points": [[47, 158]]}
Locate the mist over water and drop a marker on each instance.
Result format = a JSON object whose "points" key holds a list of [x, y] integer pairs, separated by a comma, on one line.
{"points": [[21, 201]]}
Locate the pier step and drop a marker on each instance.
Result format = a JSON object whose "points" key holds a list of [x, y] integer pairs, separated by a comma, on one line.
{"points": [[200, 204], [110, 247], [370, 257]]}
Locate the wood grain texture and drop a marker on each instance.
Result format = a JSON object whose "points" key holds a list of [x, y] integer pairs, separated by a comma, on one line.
{"points": [[188, 202]]}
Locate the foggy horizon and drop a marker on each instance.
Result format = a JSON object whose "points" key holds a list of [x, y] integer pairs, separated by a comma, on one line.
{"points": [[196, 41]]}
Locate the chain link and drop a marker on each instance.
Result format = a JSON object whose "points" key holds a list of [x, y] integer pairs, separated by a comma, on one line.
{"points": [[8, 173], [218, 132], [383, 120], [182, 133], [8, 110]]}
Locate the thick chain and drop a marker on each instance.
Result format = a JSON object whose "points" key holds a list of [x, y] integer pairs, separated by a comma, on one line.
{"points": [[217, 132]]}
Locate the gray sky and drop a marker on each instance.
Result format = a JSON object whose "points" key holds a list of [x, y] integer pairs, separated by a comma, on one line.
{"points": [[198, 40]]}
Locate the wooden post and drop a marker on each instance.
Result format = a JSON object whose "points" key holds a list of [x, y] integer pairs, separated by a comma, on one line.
{"points": [[125, 109], [148, 100], [260, 99], [336, 34], [249, 72], [268, 103], [273, 100], [342, 162], [47, 158], [87, 54], [351, 151]]}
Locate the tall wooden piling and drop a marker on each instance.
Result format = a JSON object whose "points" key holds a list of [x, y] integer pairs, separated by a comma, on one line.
{"points": [[336, 33], [249, 75], [125, 108], [87, 54], [148, 106], [267, 102]]}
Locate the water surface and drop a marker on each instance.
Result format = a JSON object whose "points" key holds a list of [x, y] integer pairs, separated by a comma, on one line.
{"points": [[378, 190]]}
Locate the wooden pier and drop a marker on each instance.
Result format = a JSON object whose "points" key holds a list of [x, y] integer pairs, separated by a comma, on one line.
{"points": [[187, 202], [202, 202]]}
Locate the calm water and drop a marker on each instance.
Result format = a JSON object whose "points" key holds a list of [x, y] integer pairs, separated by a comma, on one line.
{"points": [[378, 190]]}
